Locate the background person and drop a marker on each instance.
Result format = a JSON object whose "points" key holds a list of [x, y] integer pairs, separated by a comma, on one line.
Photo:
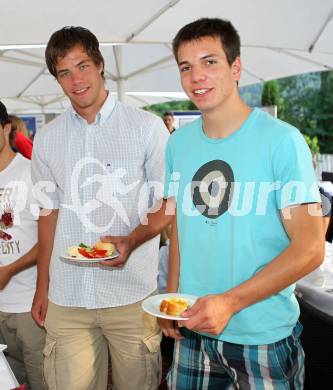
{"points": [[163, 260], [239, 251], [169, 120], [22, 141], [18, 252]]}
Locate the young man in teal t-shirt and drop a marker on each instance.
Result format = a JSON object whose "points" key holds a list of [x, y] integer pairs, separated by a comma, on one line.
{"points": [[248, 226]]}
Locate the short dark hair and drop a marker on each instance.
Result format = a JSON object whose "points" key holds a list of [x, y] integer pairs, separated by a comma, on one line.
{"points": [[65, 39], [3, 114], [213, 27], [5, 120], [167, 113]]}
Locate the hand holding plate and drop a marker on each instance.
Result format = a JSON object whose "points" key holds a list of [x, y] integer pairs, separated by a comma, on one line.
{"points": [[124, 247], [209, 314], [170, 328]]}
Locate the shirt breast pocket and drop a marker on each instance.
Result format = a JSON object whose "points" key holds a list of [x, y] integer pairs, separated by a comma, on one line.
{"points": [[123, 175]]}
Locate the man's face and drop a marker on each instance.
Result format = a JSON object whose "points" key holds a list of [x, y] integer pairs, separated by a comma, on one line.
{"points": [[81, 79], [205, 74], [168, 121]]}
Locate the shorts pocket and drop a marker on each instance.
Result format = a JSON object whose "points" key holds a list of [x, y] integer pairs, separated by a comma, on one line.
{"points": [[153, 342], [288, 358], [153, 360], [49, 353]]}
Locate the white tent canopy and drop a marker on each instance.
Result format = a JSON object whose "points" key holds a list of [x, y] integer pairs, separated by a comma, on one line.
{"points": [[279, 38]]}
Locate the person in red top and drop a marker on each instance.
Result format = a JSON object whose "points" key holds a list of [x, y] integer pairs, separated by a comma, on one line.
{"points": [[22, 143]]}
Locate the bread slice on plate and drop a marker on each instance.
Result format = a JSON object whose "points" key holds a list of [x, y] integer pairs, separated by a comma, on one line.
{"points": [[174, 306]]}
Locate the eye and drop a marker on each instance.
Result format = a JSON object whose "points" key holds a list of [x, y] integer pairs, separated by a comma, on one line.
{"points": [[83, 66], [211, 62], [63, 75], [184, 68]]}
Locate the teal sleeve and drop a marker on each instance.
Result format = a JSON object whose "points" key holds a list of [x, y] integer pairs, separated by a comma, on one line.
{"points": [[294, 172], [168, 185]]}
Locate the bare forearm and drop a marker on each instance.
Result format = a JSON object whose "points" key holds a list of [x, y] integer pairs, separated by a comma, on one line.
{"points": [[156, 222], [26, 261], [211, 314], [173, 269], [46, 231], [291, 265]]}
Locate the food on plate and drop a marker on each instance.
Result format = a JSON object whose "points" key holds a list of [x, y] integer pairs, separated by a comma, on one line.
{"points": [[99, 250], [73, 251], [174, 306], [107, 246]]}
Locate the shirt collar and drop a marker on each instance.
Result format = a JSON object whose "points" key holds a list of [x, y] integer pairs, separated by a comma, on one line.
{"points": [[102, 115], [106, 109]]}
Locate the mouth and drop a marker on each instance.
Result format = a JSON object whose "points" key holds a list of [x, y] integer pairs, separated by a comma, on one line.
{"points": [[201, 91], [79, 92]]}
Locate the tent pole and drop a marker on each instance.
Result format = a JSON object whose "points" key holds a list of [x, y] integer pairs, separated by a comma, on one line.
{"points": [[118, 54], [320, 32], [120, 90], [151, 20]]}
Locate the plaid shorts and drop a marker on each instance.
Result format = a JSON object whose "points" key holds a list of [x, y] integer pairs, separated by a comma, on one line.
{"points": [[201, 362]]}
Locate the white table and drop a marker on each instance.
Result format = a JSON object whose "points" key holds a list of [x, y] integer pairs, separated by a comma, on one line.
{"points": [[316, 289], [327, 186], [319, 297], [7, 378]]}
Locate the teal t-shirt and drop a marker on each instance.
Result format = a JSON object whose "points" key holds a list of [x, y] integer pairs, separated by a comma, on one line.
{"points": [[229, 194]]}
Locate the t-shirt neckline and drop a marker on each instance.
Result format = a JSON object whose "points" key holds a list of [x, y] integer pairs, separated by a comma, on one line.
{"points": [[11, 164], [245, 125]]}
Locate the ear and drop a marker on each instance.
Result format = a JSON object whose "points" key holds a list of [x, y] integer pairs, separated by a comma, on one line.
{"points": [[7, 128], [237, 69]]}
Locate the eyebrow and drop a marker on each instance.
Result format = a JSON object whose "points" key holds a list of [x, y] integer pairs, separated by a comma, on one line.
{"points": [[183, 63], [202, 58], [208, 56], [62, 71], [77, 65], [82, 62]]}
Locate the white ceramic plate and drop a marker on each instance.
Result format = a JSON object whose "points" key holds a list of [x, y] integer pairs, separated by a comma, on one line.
{"points": [[151, 305], [86, 260]]}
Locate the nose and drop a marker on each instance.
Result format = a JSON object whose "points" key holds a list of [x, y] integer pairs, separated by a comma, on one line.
{"points": [[197, 74], [76, 77]]}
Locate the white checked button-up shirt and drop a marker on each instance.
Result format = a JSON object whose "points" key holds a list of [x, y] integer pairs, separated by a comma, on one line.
{"points": [[97, 175]]}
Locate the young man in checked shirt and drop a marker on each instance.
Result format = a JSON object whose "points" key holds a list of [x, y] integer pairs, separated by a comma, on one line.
{"points": [[103, 162]]}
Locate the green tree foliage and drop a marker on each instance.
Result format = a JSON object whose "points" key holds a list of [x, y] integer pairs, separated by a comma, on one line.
{"points": [[161, 108], [307, 102], [270, 94], [323, 112], [313, 144]]}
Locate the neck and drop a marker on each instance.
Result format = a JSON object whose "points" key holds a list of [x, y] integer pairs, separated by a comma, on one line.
{"points": [[6, 157], [89, 113], [223, 121]]}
